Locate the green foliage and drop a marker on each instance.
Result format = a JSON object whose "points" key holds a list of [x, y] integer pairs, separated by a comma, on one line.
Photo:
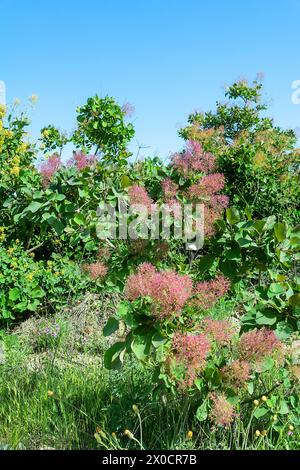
{"points": [[52, 139], [259, 160], [20, 279], [101, 123]]}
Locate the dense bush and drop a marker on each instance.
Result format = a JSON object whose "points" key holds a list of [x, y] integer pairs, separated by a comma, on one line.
{"points": [[224, 371], [259, 160]]}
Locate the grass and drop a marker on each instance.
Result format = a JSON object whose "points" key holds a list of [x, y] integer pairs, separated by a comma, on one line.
{"points": [[60, 402]]}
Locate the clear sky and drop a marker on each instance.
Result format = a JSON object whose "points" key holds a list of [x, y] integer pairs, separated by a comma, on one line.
{"points": [[166, 57]]}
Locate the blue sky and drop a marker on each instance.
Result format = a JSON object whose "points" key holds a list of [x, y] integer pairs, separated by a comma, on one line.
{"points": [[166, 57]]}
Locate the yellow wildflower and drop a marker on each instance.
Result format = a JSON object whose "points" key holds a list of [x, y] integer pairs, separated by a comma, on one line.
{"points": [[33, 98], [128, 434], [15, 170], [2, 111]]}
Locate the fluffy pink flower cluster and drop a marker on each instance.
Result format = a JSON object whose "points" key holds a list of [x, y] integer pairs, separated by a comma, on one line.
{"points": [[49, 167], [214, 204], [96, 270], [208, 186], [255, 346], [193, 159], [191, 351], [221, 331], [236, 373], [169, 189], [207, 293], [138, 195], [222, 412], [81, 161], [169, 290], [103, 253]]}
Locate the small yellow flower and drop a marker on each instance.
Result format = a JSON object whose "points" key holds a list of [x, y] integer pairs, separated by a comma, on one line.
{"points": [[113, 434], [33, 98], [128, 434], [291, 427], [32, 255], [257, 433], [264, 433], [256, 402], [189, 434], [264, 398], [16, 102], [15, 170], [2, 110], [135, 409], [50, 393], [100, 432]]}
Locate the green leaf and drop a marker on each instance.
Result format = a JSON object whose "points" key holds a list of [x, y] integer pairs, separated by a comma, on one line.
{"points": [[260, 412], [229, 268], [141, 344], [34, 207], [294, 300], [205, 263], [125, 181], [14, 294], [246, 242], [79, 219], [283, 407], [232, 215], [276, 289], [56, 224], [234, 254], [37, 293], [202, 411], [158, 340], [114, 356], [266, 317], [111, 326], [280, 231], [283, 330]]}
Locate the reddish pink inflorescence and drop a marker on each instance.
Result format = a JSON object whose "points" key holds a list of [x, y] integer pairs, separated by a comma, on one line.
{"points": [[49, 168], [255, 346], [221, 331], [96, 270], [193, 159], [207, 293], [236, 374], [222, 412], [138, 195], [169, 290], [191, 351], [82, 161], [169, 189], [207, 187]]}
